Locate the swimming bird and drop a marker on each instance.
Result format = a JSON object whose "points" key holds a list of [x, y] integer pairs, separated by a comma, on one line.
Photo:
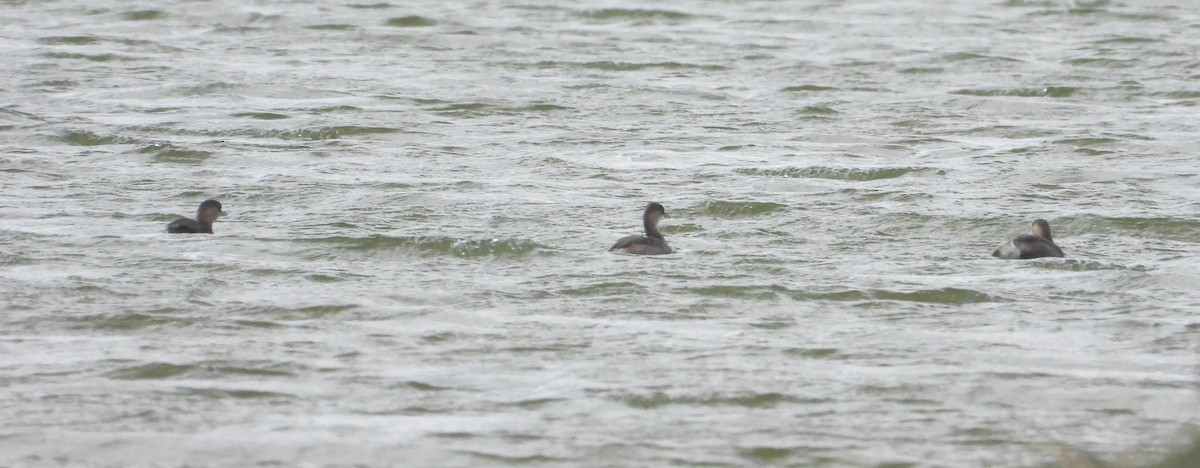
{"points": [[208, 213], [653, 242], [1036, 245]]}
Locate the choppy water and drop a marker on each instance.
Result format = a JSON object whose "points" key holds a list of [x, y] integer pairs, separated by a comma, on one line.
{"points": [[414, 272]]}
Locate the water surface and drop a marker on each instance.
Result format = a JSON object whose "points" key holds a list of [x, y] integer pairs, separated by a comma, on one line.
{"points": [[421, 194]]}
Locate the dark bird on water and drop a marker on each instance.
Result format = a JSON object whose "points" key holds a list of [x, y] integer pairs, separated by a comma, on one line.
{"points": [[653, 242], [1036, 245], [206, 215]]}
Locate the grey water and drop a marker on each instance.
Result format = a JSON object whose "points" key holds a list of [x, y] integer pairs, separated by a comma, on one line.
{"points": [[421, 194]]}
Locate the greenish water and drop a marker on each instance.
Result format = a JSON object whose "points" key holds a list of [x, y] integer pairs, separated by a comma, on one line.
{"points": [[421, 194]]}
